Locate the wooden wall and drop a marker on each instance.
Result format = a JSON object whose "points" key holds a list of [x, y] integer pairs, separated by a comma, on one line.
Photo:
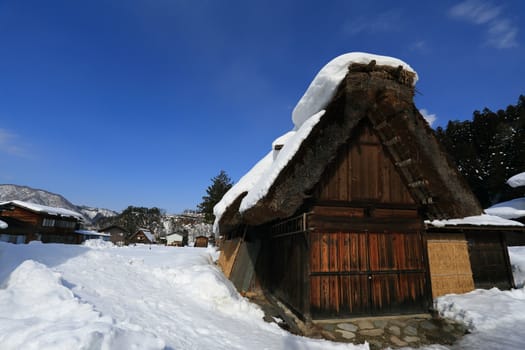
{"points": [[228, 254], [289, 273], [367, 273], [489, 259], [362, 251], [201, 242], [23, 215], [367, 255], [363, 173]]}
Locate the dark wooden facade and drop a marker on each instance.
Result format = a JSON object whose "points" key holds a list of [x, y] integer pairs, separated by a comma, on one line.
{"points": [[489, 259], [118, 234], [357, 246]]}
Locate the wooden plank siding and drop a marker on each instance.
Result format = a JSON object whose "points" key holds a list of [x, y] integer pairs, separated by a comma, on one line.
{"points": [[363, 172], [367, 273], [367, 255], [24, 215], [288, 278], [489, 260]]}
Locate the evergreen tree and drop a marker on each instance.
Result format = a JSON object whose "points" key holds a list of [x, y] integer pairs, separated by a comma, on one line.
{"points": [[134, 218], [488, 150], [220, 185]]}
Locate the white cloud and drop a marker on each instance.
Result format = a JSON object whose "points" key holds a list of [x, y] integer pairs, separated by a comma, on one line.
{"points": [[420, 46], [501, 32], [430, 118], [8, 146], [383, 22], [475, 11]]}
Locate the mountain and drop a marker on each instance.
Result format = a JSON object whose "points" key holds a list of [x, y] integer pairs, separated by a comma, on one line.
{"points": [[32, 195], [96, 214]]}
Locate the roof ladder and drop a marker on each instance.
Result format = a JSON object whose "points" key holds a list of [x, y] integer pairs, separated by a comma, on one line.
{"points": [[404, 163]]}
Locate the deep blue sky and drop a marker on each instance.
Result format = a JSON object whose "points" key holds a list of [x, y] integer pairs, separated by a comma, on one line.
{"points": [[142, 102]]}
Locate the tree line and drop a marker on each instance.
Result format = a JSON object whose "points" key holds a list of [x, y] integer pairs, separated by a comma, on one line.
{"points": [[488, 150]]}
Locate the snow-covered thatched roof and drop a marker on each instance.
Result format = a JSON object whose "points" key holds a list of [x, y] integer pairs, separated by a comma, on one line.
{"points": [[348, 89], [148, 235]]}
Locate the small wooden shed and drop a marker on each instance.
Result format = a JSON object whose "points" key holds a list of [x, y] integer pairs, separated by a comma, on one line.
{"points": [[201, 242], [341, 227]]}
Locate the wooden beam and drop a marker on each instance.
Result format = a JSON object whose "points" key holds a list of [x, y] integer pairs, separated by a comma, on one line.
{"points": [[381, 125], [393, 141], [404, 163], [419, 183]]}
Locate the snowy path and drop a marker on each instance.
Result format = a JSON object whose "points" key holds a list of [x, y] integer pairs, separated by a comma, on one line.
{"points": [[72, 297], [57, 296]]}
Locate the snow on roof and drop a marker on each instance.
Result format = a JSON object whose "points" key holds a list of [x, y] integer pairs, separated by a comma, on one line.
{"points": [[45, 209], [244, 185], [512, 209], [92, 233], [479, 220], [285, 155], [306, 114], [517, 180], [3, 224], [325, 83], [148, 235], [281, 140]]}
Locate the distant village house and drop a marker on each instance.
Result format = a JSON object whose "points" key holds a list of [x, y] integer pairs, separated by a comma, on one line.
{"points": [[174, 239], [29, 222], [118, 234], [142, 236]]}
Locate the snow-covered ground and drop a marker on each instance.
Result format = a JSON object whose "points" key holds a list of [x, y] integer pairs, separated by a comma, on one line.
{"points": [[98, 296]]}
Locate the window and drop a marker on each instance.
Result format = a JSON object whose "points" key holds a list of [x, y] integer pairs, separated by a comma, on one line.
{"points": [[48, 222]]}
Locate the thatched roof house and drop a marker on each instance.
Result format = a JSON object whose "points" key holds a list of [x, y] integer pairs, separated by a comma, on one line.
{"points": [[143, 236], [332, 220]]}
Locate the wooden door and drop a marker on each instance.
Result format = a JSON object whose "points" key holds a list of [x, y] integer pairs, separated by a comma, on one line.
{"points": [[489, 260], [366, 273]]}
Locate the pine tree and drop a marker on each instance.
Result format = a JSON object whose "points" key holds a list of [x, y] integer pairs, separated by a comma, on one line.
{"points": [[488, 150], [220, 185]]}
